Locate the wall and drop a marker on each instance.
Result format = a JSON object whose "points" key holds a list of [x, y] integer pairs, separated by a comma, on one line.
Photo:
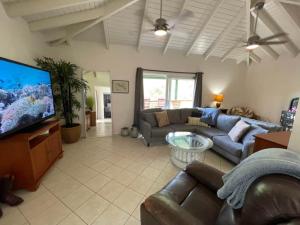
{"points": [[122, 61], [17, 42], [271, 85]]}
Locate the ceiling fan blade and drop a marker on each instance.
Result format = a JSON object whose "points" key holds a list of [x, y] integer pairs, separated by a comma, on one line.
{"points": [[272, 42], [274, 36]]}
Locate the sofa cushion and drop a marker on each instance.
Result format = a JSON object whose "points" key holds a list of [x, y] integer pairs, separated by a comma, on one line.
{"points": [[250, 135], [161, 132], [239, 129], [210, 116], [184, 127], [185, 113], [196, 122], [150, 118], [226, 122], [210, 131], [174, 116], [226, 143], [162, 118]]}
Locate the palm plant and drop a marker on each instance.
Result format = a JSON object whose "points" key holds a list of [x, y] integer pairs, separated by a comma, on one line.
{"points": [[66, 85]]}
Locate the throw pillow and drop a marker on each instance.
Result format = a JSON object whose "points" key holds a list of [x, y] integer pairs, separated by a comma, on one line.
{"points": [[210, 116], [238, 131], [150, 118], [162, 118], [196, 122]]}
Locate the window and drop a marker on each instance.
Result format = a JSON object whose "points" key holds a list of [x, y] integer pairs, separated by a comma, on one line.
{"points": [[170, 90]]}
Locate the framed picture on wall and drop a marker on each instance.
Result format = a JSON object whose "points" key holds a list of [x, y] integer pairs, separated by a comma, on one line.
{"points": [[120, 86]]}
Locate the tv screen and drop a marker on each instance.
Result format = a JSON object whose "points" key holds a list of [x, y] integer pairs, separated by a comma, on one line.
{"points": [[26, 96]]}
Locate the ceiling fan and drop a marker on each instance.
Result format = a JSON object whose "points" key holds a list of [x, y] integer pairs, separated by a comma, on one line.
{"points": [[161, 27], [254, 41]]}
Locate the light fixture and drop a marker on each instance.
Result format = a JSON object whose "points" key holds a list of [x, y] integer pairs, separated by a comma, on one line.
{"points": [[160, 32], [219, 98], [252, 46]]}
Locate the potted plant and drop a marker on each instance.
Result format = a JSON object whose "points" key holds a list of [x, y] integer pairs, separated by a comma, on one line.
{"points": [[66, 85], [90, 103]]}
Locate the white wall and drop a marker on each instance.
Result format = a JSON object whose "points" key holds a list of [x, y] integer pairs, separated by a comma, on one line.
{"points": [[122, 61], [271, 85], [17, 42]]}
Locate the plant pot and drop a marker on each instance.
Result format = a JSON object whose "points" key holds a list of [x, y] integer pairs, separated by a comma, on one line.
{"points": [[134, 132], [124, 131], [71, 134]]}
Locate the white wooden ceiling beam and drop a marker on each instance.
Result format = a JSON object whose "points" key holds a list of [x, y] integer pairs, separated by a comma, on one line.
{"points": [[224, 34], [111, 9], [270, 51], [292, 2], [235, 46], [30, 7], [255, 57], [139, 42], [206, 23], [82, 16], [174, 29], [288, 16], [268, 21], [106, 34]]}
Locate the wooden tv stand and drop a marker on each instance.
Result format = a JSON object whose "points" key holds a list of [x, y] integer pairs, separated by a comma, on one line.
{"points": [[29, 155]]}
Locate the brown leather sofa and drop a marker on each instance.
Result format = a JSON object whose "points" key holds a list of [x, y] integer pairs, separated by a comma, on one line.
{"points": [[190, 199]]}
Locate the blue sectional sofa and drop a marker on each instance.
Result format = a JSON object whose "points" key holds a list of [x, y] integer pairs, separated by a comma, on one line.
{"points": [[233, 151]]}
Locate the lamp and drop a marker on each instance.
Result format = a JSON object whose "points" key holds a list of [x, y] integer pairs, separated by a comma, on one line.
{"points": [[219, 98]]}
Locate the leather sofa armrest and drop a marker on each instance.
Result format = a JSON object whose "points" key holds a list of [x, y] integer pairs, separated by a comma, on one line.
{"points": [[206, 175], [166, 212]]}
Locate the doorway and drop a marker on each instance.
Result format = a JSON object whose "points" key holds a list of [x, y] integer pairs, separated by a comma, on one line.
{"points": [[98, 104]]}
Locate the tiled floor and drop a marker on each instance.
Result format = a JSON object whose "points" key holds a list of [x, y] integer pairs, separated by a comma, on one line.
{"points": [[102, 129], [99, 181]]}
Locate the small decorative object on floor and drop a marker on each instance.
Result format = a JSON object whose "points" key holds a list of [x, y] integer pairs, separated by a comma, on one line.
{"points": [[6, 195], [134, 132], [125, 131]]}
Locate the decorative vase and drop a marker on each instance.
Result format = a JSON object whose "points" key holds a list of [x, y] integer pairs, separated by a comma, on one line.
{"points": [[134, 132], [125, 131], [71, 134]]}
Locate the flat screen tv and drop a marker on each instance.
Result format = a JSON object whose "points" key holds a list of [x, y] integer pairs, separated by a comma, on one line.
{"points": [[26, 96]]}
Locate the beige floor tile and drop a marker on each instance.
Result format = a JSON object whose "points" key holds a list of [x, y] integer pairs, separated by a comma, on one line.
{"points": [[111, 190], [77, 197], [52, 216], [72, 219], [81, 173], [141, 185], [97, 182], [128, 200], [101, 165], [125, 177], [31, 195], [112, 216], [38, 205], [137, 212], [132, 221], [112, 171], [151, 173], [12, 216], [137, 167], [91, 209]]}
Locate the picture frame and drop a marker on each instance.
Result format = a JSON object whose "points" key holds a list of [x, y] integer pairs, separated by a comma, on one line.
{"points": [[120, 86]]}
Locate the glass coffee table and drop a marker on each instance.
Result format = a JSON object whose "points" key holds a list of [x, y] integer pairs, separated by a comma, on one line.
{"points": [[187, 147]]}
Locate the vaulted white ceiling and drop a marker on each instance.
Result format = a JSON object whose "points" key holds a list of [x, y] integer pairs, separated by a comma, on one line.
{"points": [[216, 27]]}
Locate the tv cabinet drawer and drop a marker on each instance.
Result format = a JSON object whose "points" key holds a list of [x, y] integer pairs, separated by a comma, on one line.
{"points": [[40, 161]]}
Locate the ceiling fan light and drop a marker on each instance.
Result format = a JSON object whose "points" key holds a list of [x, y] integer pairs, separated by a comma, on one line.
{"points": [[160, 32], [252, 46]]}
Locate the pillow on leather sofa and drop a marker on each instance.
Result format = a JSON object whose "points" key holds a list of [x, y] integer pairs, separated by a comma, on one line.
{"points": [[196, 122], [238, 130], [162, 118]]}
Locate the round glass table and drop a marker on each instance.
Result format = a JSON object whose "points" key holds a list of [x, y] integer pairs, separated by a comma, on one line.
{"points": [[187, 147]]}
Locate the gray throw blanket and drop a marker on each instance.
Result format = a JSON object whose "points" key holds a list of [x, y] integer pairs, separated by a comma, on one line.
{"points": [[269, 161]]}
